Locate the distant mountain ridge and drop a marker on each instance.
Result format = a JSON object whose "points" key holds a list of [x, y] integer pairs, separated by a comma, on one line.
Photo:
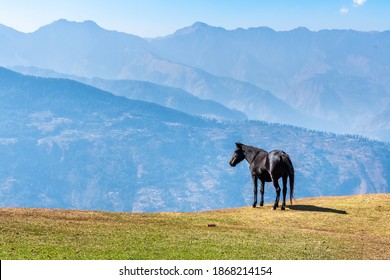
{"points": [[334, 75], [170, 97], [64, 144], [86, 50]]}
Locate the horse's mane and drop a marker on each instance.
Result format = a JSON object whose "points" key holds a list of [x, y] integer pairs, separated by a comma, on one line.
{"points": [[253, 149]]}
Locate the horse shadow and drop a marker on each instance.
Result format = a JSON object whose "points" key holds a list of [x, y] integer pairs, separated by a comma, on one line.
{"points": [[313, 208]]}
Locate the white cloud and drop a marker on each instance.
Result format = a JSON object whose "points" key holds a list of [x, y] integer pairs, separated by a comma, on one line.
{"points": [[344, 10], [359, 2]]}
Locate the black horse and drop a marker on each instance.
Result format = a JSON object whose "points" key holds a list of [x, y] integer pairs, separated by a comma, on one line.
{"points": [[267, 167]]}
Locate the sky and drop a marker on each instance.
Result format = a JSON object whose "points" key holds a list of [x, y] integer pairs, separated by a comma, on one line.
{"points": [[153, 18]]}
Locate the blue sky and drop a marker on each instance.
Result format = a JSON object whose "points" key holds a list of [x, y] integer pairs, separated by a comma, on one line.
{"points": [[152, 18]]}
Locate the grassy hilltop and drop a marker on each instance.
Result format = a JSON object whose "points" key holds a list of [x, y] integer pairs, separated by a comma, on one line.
{"points": [[351, 227]]}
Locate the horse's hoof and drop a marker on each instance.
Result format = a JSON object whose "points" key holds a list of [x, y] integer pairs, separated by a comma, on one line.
{"points": [[273, 208], [261, 204], [254, 206], [283, 208]]}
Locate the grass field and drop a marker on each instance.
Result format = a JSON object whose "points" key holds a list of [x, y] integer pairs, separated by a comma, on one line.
{"points": [[351, 227]]}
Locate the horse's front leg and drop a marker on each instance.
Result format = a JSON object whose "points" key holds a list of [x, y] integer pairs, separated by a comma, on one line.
{"points": [[262, 193], [254, 178]]}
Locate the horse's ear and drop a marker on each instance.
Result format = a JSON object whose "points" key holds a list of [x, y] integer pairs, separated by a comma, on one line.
{"points": [[238, 145]]}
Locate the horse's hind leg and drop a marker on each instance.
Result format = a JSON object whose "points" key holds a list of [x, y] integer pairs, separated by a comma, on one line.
{"points": [[284, 192], [277, 188]]}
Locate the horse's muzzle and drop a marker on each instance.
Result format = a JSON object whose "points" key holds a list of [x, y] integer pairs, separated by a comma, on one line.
{"points": [[232, 162]]}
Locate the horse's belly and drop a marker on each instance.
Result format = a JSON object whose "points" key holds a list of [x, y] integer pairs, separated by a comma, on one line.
{"points": [[264, 176]]}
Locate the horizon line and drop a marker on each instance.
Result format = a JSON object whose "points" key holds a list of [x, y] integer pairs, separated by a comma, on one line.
{"points": [[89, 21]]}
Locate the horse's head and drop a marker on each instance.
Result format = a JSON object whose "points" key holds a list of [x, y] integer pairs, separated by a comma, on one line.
{"points": [[238, 155]]}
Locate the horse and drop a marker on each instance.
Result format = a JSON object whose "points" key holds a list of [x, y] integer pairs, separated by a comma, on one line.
{"points": [[266, 167]]}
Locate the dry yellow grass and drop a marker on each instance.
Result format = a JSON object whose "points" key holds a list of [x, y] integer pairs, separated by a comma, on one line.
{"points": [[351, 227]]}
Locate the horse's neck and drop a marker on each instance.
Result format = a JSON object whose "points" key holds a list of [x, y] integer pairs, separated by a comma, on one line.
{"points": [[251, 153]]}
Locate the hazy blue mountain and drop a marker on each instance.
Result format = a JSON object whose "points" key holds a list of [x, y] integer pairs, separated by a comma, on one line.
{"points": [[9, 41], [170, 97], [335, 75], [83, 49], [64, 144], [86, 50], [334, 80], [270, 59]]}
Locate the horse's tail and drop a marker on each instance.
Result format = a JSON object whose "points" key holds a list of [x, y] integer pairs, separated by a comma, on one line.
{"points": [[291, 179], [290, 166]]}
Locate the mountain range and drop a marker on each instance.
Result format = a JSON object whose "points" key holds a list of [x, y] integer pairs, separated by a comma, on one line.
{"points": [[170, 97], [98, 119], [334, 75], [65, 144], [331, 80]]}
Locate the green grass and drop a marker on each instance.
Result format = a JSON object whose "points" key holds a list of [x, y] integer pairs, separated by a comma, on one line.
{"points": [[353, 227]]}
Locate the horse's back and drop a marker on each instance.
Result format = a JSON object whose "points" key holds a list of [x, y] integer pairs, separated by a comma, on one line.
{"points": [[276, 156]]}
